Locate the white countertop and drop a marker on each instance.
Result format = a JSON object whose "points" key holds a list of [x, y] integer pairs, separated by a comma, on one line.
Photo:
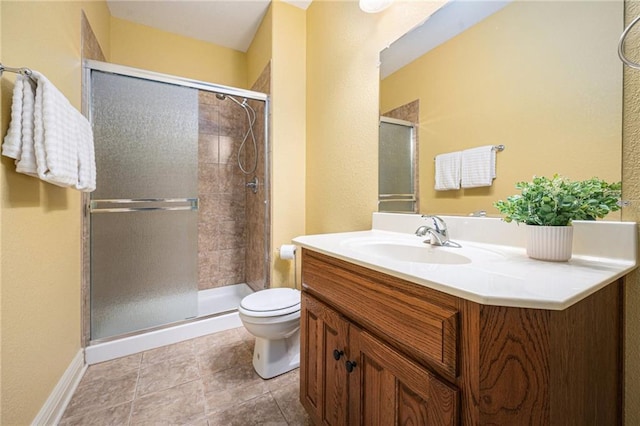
{"points": [[496, 274]]}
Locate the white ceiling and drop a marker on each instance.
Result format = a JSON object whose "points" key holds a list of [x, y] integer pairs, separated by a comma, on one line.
{"points": [[228, 23]]}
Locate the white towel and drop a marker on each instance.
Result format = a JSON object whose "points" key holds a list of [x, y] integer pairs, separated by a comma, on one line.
{"points": [[478, 166], [86, 159], [18, 143], [63, 140], [56, 135], [448, 171], [48, 137], [12, 145]]}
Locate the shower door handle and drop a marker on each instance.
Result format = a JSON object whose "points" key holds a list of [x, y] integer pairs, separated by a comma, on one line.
{"points": [[142, 205]]}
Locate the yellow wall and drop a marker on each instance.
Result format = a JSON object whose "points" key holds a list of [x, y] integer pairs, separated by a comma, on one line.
{"points": [[553, 100], [343, 45], [40, 244], [288, 74], [281, 39], [260, 50], [147, 48]]}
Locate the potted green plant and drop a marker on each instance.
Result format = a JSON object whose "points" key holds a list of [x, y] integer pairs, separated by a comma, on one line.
{"points": [[549, 206]]}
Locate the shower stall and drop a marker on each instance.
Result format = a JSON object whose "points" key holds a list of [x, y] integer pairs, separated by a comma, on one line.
{"points": [[177, 230]]}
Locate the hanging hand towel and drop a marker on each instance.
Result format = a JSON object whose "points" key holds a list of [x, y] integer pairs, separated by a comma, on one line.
{"points": [[63, 139], [448, 171], [12, 145], [86, 159], [478, 167], [18, 143]]}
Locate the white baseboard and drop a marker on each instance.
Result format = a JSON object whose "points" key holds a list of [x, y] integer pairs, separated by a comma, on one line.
{"points": [[53, 409]]}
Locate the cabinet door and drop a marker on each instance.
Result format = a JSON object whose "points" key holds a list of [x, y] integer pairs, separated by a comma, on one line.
{"points": [[394, 390], [323, 379]]}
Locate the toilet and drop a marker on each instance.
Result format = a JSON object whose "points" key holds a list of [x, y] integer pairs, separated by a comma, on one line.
{"points": [[273, 317]]}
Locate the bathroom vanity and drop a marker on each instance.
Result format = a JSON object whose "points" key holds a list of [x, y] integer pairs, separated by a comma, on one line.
{"points": [[446, 341]]}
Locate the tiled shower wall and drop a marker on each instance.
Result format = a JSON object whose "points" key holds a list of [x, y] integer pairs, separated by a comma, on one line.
{"points": [[231, 221]]}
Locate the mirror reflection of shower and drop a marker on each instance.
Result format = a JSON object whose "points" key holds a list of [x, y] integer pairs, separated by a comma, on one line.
{"points": [[251, 119]]}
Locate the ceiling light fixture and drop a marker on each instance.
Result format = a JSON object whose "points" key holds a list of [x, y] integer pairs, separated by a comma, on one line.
{"points": [[374, 6]]}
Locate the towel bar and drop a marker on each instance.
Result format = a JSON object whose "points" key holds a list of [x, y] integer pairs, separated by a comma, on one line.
{"points": [[23, 71], [496, 148]]}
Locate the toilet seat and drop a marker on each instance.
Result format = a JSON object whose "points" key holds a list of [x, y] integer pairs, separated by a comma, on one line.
{"points": [[271, 302]]}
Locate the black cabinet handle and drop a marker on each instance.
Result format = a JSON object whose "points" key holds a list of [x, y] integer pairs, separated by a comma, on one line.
{"points": [[337, 354], [350, 366]]}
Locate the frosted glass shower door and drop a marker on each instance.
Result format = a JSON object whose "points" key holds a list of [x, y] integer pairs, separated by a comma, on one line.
{"points": [[396, 166], [143, 240]]}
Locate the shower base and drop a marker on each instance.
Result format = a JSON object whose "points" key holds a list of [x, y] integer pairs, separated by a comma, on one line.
{"points": [[217, 311]]}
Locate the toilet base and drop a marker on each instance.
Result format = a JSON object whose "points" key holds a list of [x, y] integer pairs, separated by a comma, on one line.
{"points": [[275, 357]]}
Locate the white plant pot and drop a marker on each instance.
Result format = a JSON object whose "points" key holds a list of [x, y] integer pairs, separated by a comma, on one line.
{"points": [[550, 242]]}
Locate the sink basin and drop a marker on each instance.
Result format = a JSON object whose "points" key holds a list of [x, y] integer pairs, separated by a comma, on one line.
{"points": [[409, 252]]}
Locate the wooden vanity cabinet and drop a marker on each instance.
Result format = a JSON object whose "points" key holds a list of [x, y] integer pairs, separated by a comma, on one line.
{"points": [[353, 378], [378, 350]]}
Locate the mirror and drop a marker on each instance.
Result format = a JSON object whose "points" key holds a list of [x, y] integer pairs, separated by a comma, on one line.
{"points": [[541, 78]]}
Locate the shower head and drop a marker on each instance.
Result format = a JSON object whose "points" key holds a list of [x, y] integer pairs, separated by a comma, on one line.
{"points": [[251, 118], [222, 97]]}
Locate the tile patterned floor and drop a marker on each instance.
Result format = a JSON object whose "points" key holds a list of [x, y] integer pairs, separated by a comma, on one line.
{"points": [[208, 381]]}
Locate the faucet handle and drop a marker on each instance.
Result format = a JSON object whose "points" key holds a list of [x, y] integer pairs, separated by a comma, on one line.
{"points": [[438, 223]]}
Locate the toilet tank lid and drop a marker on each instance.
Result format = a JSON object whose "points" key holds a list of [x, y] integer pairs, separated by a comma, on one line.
{"points": [[272, 299]]}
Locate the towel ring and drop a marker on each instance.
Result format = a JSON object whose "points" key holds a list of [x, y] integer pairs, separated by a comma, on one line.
{"points": [[623, 58]]}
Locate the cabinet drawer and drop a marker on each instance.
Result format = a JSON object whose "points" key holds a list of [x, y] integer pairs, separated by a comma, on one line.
{"points": [[424, 330]]}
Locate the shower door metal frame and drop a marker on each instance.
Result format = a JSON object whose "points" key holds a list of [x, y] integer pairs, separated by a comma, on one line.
{"points": [[90, 65], [404, 197]]}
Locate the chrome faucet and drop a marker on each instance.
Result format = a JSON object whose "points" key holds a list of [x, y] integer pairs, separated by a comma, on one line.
{"points": [[437, 231]]}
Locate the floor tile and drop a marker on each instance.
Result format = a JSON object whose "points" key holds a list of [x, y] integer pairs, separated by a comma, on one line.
{"points": [[114, 368], [284, 380], [166, 353], [220, 358], [179, 405], [94, 395], [222, 339], [167, 374], [288, 400], [205, 381], [114, 416], [232, 386], [260, 411]]}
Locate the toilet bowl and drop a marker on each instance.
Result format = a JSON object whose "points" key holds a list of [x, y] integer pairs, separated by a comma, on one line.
{"points": [[273, 317]]}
